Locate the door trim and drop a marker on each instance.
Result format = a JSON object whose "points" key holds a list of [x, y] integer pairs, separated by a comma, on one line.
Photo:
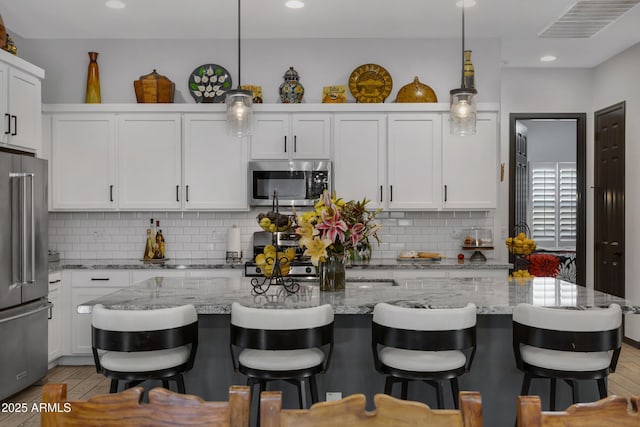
{"points": [[581, 164]]}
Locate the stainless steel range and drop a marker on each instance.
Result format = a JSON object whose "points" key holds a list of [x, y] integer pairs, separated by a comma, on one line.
{"points": [[300, 266]]}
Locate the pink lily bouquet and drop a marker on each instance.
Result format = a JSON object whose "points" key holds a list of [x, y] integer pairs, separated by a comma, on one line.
{"points": [[336, 227]]}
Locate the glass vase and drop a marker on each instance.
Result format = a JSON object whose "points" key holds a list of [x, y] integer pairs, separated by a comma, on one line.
{"points": [[331, 274]]}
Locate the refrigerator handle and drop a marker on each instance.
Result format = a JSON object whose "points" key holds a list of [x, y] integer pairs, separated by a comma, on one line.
{"points": [[27, 231]]}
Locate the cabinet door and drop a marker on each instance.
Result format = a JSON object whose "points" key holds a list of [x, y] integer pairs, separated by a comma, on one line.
{"points": [[414, 161], [215, 164], [269, 136], [149, 174], [4, 103], [25, 109], [358, 166], [81, 323], [470, 166], [55, 323], [83, 161], [311, 134]]}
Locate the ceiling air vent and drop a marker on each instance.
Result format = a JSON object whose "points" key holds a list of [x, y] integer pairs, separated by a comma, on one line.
{"points": [[586, 18]]}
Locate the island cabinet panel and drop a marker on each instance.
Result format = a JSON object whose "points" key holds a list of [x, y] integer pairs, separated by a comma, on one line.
{"points": [[414, 161], [149, 166], [278, 136], [360, 141], [83, 167], [470, 166], [215, 165]]}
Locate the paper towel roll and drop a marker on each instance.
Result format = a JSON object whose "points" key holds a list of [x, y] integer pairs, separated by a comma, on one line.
{"points": [[233, 240]]}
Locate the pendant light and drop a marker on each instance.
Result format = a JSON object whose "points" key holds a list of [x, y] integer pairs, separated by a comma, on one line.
{"points": [[239, 103], [462, 115]]}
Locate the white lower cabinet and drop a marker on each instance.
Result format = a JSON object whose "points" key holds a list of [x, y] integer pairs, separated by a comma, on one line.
{"points": [[86, 285], [54, 341]]}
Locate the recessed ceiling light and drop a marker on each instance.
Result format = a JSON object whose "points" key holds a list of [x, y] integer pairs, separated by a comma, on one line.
{"points": [[466, 3], [294, 4], [548, 58], [115, 4]]}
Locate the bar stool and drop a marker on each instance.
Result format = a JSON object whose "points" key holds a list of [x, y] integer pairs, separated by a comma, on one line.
{"points": [[138, 345], [418, 344], [566, 344], [293, 345]]}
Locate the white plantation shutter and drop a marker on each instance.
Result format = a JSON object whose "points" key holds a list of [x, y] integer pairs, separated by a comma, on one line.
{"points": [[552, 204]]}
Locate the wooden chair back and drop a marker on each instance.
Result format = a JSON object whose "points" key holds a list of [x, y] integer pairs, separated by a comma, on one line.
{"points": [[389, 411], [125, 409], [611, 411]]}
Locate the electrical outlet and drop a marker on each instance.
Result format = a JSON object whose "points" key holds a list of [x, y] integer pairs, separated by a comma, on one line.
{"points": [[333, 395]]}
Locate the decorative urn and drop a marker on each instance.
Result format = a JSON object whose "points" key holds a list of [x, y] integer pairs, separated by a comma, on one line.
{"points": [[291, 91]]}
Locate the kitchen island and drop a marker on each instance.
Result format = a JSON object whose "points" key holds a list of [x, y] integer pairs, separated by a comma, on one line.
{"points": [[493, 372]]}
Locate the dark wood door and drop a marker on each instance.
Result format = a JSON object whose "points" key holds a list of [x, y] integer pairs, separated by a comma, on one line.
{"points": [[609, 186]]}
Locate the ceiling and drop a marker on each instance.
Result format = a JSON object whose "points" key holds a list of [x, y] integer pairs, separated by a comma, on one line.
{"points": [[516, 23]]}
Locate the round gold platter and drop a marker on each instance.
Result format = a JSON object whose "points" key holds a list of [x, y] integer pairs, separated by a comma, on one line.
{"points": [[370, 83]]}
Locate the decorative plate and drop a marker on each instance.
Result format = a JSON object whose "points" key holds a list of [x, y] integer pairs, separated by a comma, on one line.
{"points": [[370, 83], [209, 83]]}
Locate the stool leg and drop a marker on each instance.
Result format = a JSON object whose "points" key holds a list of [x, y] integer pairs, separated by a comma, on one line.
{"points": [[526, 383], [602, 388], [180, 381], [439, 394], [388, 386], [455, 390], [552, 395], [302, 394], [114, 386], [165, 384], [405, 389], [314, 389]]}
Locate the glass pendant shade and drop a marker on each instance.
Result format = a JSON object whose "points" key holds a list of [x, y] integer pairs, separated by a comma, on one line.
{"points": [[239, 112], [462, 113]]}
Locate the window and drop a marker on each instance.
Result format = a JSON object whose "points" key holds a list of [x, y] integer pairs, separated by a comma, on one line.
{"points": [[552, 204]]}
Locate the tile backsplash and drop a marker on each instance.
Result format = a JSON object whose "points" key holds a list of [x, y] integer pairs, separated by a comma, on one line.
{"points": [[189, 235]]}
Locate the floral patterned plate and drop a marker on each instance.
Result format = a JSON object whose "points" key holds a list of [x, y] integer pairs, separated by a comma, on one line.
{"points": [[370, 83], [209, 83]]}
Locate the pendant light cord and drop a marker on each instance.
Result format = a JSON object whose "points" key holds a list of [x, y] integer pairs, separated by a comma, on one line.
{"points": [[462, 65], [238, 44]]}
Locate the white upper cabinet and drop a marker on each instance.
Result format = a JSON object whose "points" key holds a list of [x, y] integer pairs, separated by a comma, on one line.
{"points": [[20, 103], [360, 141], [149, 164], [470, 166], [215, 164], [291, 136], [83, 161], [414, 161]]}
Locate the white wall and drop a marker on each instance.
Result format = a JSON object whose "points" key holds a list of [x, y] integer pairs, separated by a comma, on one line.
{"points": [[320, 62], [613, 81], [538, 90], [551, 140]]}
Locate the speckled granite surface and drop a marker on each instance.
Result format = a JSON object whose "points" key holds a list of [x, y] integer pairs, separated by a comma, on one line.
{"points": [[446, 264], [491, 295]]}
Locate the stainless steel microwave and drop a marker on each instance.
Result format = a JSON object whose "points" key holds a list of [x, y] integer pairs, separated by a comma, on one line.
{"points": [[297, 182]]}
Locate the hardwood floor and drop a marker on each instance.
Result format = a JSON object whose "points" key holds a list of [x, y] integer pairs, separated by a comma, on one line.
{"points": [[83, 382]]}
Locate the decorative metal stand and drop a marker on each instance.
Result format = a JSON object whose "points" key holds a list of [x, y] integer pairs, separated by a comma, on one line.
{"points": [[520, 261], [260, 286]]}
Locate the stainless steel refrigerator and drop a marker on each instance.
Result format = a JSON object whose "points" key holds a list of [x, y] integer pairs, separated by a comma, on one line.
{"points": [[23, 272]]}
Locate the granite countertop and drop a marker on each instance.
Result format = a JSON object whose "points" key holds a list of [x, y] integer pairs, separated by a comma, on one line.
{"points": [[491, 295], [417, 264]]}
